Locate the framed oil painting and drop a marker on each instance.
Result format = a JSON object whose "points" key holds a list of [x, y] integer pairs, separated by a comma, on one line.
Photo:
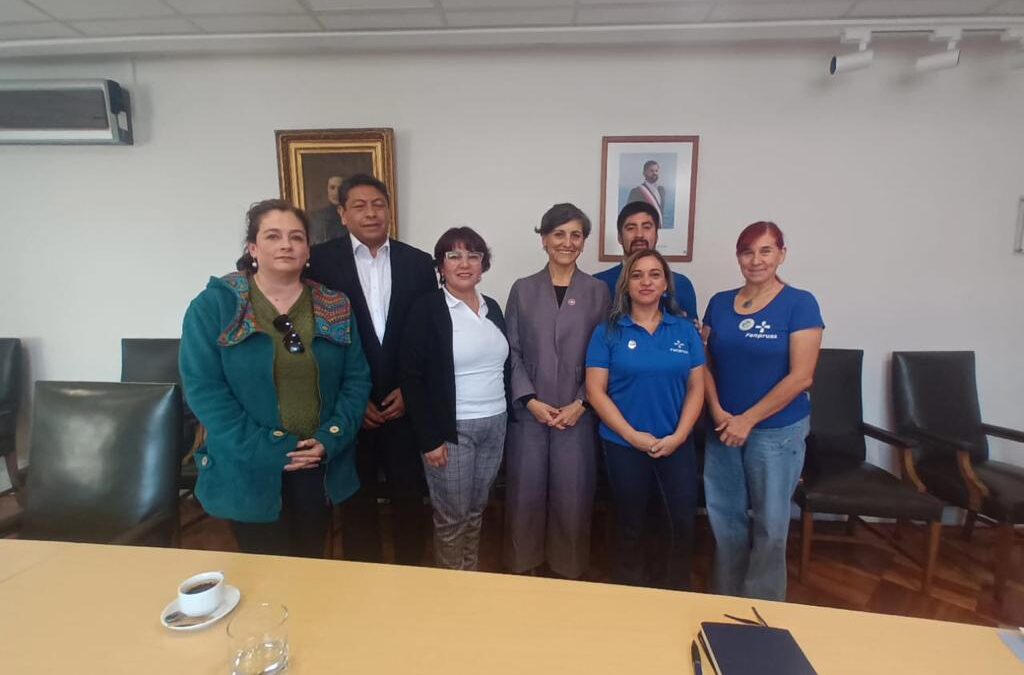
{"points": [[312, 163]]}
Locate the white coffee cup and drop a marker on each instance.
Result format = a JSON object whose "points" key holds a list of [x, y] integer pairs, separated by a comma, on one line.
{"points": [[196, 595]]}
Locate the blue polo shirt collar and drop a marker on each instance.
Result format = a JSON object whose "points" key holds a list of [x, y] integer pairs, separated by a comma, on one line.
{"points": [[666, 318]]}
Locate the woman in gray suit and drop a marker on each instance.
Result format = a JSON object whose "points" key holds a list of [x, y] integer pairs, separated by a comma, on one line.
{"points": [[551, 451]]}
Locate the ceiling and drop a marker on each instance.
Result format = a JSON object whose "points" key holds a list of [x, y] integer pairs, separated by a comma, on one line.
{"points": [[62, 27]]}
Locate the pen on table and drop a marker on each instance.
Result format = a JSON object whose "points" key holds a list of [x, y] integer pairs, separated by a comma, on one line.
{"points": [[741, 620], [695, 654]]}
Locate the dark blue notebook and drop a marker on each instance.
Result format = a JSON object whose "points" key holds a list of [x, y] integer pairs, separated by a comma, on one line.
{"points": [[740, 649]]}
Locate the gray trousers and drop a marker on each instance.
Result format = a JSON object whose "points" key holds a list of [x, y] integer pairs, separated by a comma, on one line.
{"points": [[459, 491], [551, 478]]}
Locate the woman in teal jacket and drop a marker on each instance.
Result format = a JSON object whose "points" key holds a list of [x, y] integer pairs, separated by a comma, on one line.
{"points": [[273, 368]]}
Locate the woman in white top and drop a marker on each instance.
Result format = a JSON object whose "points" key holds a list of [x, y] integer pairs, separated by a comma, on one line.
{"points": [[455, 382]]}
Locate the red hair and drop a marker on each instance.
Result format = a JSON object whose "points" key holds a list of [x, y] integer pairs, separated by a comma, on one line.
{"points": [[755, 231]]}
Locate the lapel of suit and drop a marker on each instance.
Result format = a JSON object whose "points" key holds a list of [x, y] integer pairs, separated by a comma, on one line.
{"points": [[398, 288], [442, 319], [350, 280], [565, 313]]}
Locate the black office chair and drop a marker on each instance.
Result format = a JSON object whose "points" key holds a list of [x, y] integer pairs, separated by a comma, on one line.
{"points": [[838, 480], [10, 393], [156, 360], [104, 463], [935, 397]]}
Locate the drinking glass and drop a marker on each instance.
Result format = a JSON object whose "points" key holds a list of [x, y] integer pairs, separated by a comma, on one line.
{"points": [[259, 640]]}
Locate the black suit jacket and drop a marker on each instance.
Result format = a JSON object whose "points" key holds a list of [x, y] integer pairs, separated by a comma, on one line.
{"points": [[412, 276], [428, 370]]}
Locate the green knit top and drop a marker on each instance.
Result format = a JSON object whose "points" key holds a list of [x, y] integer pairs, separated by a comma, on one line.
{"points": [[295, 375]]}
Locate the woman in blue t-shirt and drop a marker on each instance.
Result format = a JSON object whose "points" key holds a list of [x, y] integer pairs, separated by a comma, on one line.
{"points": [[762, 343], [645, 380]]}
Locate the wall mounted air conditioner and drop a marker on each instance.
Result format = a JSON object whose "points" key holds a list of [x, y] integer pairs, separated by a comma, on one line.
{"points": [[67, 112]]}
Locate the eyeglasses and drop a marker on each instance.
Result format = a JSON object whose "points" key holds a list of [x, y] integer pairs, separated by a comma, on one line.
{"points": [[459, 256], [292, 341]]}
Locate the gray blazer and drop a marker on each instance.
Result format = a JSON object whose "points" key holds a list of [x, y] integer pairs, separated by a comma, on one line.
{"points": [[548, 343]]}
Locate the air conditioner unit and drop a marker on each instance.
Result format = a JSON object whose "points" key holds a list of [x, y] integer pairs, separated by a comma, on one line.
{"points": [[67, 112]]}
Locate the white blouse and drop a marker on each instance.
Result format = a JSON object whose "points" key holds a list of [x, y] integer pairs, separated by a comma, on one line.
{"points": [[479, 350]]}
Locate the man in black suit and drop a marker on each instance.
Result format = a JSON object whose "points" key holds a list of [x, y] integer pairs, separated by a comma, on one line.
{"points": [[382, 278]]}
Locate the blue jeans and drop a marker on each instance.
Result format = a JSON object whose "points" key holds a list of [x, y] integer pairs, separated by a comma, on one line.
{"points": [[634, 476], [750, 550]]}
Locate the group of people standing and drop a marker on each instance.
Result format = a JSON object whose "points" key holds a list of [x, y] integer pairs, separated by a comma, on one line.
{"points": [[317, 369]]}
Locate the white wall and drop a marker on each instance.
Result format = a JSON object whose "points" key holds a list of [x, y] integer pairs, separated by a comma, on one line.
{"points": [[898, 194]]}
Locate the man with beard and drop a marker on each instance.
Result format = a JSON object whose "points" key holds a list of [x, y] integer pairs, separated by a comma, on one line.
{"points": [[649, 191], [638, 225]]}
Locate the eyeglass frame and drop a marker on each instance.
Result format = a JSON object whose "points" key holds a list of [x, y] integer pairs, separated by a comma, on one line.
{"points": [[458, 255]]}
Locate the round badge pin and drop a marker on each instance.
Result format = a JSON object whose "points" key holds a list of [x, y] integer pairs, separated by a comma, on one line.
{"points": [[631, 344], [746, 324], [572, 302]]}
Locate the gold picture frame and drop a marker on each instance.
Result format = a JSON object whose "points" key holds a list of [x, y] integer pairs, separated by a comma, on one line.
{"points": [[308, 158]]}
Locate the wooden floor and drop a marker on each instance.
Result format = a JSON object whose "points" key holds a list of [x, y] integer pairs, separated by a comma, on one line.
{"points": [[845, 576]]}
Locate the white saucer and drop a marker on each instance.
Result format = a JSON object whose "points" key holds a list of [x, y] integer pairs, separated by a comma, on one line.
{"points": [[231, 597]]}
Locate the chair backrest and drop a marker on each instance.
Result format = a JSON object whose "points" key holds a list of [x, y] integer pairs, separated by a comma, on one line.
{"points": [[150, 360], [938, 392], [10, 392], [836, 408], [105, 456], [156, 360]]}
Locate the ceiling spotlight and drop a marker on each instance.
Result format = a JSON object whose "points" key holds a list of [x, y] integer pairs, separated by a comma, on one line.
{"points": [[945, 59], [843, 63]]}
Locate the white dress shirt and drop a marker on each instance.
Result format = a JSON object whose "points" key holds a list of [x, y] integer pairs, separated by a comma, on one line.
{"points": [[375, 279], [479, 351]]}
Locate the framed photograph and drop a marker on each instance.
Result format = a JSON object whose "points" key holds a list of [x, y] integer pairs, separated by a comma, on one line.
{"points": [[659, 170], [312, 163]]}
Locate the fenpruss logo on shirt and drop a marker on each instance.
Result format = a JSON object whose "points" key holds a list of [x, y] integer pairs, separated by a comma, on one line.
{"points": [[679, 347], [747, 325]]}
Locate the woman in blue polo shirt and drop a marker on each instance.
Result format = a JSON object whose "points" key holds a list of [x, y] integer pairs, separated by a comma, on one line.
{"points": [[763, 341], [645, 380]]}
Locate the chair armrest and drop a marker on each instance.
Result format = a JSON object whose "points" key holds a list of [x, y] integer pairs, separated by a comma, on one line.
{"points": [[1003, 432], [886, 436], [146, 527], [10, 524], [905, 446]]}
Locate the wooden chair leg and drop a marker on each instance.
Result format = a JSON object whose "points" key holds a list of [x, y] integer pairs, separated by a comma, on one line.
{"points": [[969, 520], [1004, 554], [934, 532], [806, 533]]}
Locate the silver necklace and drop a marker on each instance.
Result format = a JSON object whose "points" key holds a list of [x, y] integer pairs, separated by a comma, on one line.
{"points": [[747, 304]]}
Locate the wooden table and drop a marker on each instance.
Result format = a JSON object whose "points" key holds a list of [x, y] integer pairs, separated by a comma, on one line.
{"points": [[78, 608]]}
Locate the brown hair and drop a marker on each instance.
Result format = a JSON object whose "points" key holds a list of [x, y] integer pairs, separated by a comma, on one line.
{"points": [[622, 304], [253, 219], [466, 236]]}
